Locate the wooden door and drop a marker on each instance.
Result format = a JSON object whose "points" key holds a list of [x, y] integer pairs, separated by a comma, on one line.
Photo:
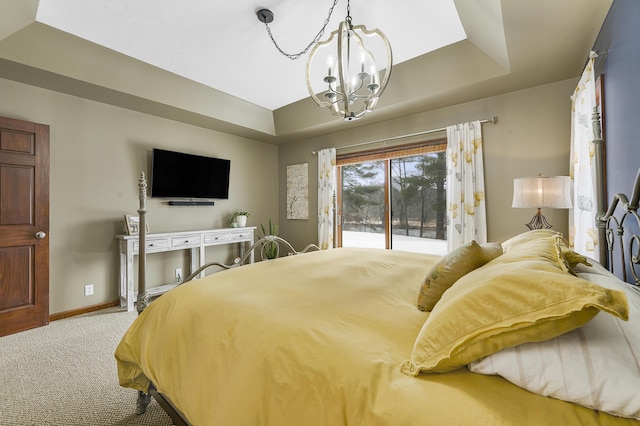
{"points": [[24, 225]]}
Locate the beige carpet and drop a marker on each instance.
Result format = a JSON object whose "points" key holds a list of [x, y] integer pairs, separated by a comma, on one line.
{"points": [[65, 374]]}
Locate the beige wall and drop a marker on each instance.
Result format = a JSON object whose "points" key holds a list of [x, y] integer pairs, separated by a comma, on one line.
{"points": [[97, 153], [531, 137]]}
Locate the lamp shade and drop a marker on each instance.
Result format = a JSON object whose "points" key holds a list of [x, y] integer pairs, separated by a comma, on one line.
{"points": [[551, 192]]}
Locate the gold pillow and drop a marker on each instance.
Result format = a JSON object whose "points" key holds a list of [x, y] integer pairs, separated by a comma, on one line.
{"points": [[543, 243], [573, 258], [537, 242], [548, 244], [451, 267], [528, 237], [509, 301]]}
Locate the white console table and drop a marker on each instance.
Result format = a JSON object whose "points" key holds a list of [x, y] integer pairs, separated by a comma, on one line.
{"points": [[194, 241]]}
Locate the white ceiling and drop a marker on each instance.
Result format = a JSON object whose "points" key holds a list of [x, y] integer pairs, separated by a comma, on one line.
{"points": [[223, 45]]}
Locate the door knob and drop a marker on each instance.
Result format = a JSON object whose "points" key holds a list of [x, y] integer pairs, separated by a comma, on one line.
{"points": [[40, 235]]}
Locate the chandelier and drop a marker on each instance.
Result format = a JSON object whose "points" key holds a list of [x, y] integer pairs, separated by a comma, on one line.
{"points": [[348, 72]]}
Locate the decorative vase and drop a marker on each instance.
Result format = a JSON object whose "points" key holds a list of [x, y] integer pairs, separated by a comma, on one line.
{"points": [[242, 221]]}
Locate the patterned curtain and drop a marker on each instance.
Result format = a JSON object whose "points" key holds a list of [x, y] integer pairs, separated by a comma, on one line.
{"points": [[466, 207], [327, 187], [583, 235]]}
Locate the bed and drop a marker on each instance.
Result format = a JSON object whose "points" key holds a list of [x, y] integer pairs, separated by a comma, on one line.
{"points": [[522, 332]]}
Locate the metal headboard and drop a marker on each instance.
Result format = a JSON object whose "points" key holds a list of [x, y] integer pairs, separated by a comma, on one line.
{"points": [[611, 228], [615, 227]]}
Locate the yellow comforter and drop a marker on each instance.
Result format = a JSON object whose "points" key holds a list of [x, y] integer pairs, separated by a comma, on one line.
{"points": [[315, 339]]}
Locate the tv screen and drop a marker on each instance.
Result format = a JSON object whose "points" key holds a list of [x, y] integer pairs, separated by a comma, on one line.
{"points": [[181, 175]]}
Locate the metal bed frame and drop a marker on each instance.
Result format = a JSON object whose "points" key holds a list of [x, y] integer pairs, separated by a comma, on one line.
{"points": [[615, 234], [613, 222]]}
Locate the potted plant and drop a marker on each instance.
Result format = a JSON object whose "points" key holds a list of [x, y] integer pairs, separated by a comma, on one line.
{"points": [[239, 219], [270, 248]]}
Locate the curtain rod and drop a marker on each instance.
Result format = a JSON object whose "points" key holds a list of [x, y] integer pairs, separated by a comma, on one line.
{"points": [[492, 120]]}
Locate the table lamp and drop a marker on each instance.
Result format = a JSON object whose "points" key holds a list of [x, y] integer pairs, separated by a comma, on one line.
{"points": [[550, 192]]}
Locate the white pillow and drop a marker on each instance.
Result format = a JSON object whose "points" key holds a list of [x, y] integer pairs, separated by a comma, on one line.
{"points": [[596, 365]]}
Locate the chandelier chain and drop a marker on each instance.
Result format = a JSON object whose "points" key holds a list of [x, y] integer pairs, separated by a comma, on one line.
{"points": [[294, 56]]}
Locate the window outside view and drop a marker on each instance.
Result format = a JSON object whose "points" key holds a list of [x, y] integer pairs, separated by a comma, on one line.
{"points": [[417, 216]]}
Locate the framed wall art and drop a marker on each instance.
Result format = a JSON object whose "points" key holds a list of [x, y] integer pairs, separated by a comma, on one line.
{"points": [[298, 191]]}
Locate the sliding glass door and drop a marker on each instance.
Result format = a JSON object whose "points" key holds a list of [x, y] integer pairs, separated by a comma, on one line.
{"points": [[394, 201], [418, 203], [363, 204]]}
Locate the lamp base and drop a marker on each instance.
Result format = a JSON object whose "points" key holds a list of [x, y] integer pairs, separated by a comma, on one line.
{"points": [[538, 221]]}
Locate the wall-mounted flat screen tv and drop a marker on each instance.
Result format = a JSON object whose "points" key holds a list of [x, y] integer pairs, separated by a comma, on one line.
{"points": [[182, 175]]}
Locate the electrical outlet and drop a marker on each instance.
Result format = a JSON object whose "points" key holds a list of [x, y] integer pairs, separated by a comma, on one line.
{"points": [[178, 275], [88, 290]]}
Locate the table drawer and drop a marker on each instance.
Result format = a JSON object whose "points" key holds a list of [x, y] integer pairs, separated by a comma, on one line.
{"points": [[186, 241], [152, 245], [240, 236], [216, 238]]}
